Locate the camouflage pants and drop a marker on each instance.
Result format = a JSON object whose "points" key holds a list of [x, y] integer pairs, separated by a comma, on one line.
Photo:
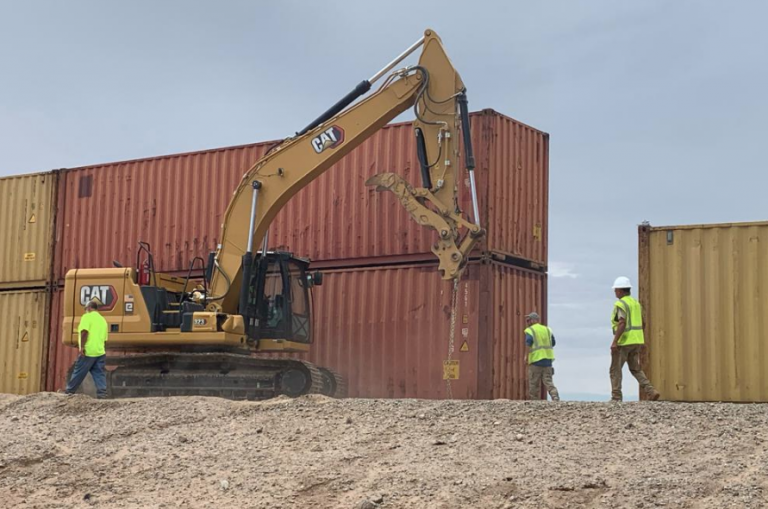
{"points": [[630, 355], [538, 375]]}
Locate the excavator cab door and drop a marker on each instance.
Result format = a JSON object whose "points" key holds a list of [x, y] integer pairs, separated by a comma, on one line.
{"points": [[279, 302]]}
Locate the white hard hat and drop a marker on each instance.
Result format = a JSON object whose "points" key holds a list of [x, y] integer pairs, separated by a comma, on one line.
{"points": [[622, 282]]}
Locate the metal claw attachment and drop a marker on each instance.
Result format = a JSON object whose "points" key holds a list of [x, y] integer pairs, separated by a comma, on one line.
{"points": [[451, 251]]}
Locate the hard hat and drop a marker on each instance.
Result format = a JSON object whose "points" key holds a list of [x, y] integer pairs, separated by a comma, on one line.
{"points": [[622, 282]]}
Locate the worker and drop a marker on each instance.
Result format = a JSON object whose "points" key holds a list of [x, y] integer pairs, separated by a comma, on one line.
{"points": [[628, 340], [541, 354], [275, 313], [92, 336]]}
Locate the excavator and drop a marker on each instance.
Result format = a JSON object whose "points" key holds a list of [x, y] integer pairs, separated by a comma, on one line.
{"points": [[171, 335]]}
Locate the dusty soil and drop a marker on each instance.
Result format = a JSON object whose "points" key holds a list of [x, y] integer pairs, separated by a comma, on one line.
{"points": [[317, 452]]}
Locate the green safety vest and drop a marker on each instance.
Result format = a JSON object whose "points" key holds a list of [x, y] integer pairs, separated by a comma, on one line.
{"points": [[633, 333], [542, 343]]}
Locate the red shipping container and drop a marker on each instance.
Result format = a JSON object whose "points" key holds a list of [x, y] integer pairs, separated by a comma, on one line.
{"points": [[386, 329], [176, 203]]}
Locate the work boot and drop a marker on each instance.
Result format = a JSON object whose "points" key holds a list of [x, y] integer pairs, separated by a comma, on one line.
{"points": [[615, 400], [654, 396]]}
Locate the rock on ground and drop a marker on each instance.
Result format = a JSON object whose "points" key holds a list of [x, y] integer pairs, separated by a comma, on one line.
{"points": [[317, 452]]}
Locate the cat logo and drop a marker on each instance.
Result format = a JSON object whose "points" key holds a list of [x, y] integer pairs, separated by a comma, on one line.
{"points": [[105, 293], [330, 138]]}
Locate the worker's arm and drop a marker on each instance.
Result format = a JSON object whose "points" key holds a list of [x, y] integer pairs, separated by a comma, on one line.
{"points": [[619, 331], [529, 340], [83, 341]]}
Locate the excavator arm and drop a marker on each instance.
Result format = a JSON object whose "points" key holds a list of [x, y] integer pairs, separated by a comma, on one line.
{"points": [[436, 92]]}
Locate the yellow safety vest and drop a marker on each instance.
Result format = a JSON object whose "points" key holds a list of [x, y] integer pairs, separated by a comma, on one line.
{"points": [[633, 333], [542, 343]]}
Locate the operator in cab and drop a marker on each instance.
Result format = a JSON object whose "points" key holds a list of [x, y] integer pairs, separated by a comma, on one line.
{"points": [[92, 337]]}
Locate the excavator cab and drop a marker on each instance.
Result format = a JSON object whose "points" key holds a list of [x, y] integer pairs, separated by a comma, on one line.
{"points": [[279, 298]]}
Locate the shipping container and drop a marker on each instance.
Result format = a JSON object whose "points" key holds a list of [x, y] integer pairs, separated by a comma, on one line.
{"points": [[701, 288], [387, 330], [176, 203], [27, 205], [23, 339]]}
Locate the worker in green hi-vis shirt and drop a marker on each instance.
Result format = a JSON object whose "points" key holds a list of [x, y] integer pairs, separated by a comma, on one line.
{"points": [[92, 336]]}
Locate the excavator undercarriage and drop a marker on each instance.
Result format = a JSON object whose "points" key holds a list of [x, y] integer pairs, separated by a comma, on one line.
{"points": [[236, 376], [226, 375]]}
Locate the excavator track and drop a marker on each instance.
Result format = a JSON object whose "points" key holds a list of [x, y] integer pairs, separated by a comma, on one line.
{"points": [[334, 384], [224, 375]]}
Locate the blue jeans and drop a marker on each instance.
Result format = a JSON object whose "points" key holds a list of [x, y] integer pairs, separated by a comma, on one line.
{"points": [[97, 367]]}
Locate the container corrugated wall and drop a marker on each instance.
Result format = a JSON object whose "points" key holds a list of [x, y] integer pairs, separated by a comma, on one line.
{"points": [[26, 229], [515, 294], [23, 339], [60, 357], [707, 318], [176, 203], [386, 329]]}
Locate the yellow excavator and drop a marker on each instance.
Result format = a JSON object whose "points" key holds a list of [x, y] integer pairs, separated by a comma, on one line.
{"points": [[181, 336]]}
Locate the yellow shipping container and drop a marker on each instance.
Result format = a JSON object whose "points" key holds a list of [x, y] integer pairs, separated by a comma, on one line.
{"points": [[23, 340], [27, 204], [704, 289]]}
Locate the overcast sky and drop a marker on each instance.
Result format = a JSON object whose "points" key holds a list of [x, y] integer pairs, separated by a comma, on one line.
{"points": [[656, 110]]}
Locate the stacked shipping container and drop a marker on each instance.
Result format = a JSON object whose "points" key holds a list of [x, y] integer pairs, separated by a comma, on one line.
{"points": [[27, 205], [23, 339], [367, 244], [176, 203]]}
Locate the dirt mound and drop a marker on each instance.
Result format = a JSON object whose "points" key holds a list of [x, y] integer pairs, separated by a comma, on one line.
{"points": [[317, 452]]}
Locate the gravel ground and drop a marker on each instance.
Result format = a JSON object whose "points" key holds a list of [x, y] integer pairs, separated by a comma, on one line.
{"points": [[317, 452]]}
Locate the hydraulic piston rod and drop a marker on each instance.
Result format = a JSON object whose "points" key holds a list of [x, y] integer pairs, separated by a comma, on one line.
{"points": [[402, 56], [248, 256], [254, 199], [361, 88], [469, 155]]}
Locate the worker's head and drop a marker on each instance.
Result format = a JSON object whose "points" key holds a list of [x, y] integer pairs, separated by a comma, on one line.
{"points": [[92, 305], [532, 318], [622, 287]]}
